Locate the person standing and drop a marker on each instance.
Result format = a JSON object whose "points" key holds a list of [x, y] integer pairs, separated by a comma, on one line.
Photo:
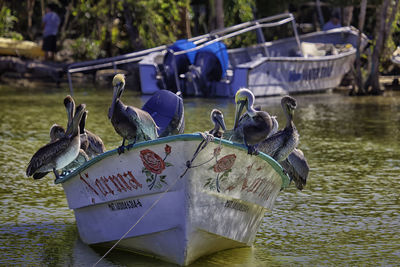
{"points": [[50, 24]]}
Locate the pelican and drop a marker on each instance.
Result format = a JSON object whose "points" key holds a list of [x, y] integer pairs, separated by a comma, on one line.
{"points": [[218, 119], [283, 142], [257, 127], [296, 167], [130, 123], [93, 143], [237, 135], [57, 131], [58, 154]]}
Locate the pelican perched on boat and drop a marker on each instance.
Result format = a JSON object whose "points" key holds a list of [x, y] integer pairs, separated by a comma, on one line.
{"points": [[296, 167], [219, 123], [132, 124], [283, 142], [94, 144], [57, 131], [257, 127], [58, 154]]}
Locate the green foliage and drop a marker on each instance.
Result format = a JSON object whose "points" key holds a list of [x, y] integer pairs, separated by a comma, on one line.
{"points": [[238, 11], [157, 20], [86, 48], [7, 21]]}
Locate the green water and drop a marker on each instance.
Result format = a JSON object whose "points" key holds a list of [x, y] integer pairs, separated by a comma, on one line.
{"points": [[348, 214]]}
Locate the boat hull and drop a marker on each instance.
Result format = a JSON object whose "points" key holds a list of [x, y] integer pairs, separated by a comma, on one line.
{"points": [[149, 201]]}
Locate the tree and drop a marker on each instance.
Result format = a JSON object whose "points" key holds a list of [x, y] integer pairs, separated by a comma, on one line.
{"points": [[385, 15]]}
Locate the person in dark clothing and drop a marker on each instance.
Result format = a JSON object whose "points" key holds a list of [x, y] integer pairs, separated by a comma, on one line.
{"points": [[50, 24]]}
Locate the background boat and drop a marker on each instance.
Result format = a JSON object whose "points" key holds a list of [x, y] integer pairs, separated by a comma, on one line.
{"points": [[204, 66]]}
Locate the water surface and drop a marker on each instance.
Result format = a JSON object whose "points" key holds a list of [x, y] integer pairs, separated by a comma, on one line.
{"points": [[349, 212]]}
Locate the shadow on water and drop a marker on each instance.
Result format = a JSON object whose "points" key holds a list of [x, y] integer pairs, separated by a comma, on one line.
{"points": [[349, 212]]}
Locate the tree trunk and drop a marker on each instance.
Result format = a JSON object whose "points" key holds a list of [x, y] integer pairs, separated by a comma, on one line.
{"points": [[359, 87], [42, 6], [30, 5], [211, 15], [383, 30], [348, 15], [63, 29], [184, 23], [133, 32], [219, 14]]}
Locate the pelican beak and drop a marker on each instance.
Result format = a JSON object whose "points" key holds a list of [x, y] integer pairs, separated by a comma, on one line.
{"points": [[221, 122], [114, 99], [239, 108]]}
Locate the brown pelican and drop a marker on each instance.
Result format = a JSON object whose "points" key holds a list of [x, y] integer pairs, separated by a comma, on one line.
{"points": [[282, 143], [93, 145], [57, 131], [58, 154], [297, 168], [130, 123], [257, 127], [218, 119]]}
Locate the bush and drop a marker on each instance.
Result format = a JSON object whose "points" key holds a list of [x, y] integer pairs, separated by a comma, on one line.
{"points": [[86, 49], [7, 21]]}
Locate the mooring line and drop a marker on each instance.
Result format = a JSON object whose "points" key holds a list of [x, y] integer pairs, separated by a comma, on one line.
{"points": [[200, 147]]}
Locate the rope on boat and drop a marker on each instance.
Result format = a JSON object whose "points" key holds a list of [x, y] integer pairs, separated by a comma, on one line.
{"points": [[206, 140]]}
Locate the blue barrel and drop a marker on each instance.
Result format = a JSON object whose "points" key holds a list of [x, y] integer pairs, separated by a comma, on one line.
{"points": [[166, 108]]}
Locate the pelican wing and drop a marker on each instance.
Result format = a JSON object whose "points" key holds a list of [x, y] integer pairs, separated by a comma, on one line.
{"points": [[95, 143], [272, 144], [297, 168], [46, 154], [145, 123]]}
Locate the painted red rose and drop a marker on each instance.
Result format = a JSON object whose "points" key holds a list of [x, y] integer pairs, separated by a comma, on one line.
{"points": [[151, 161], [225, 163], [167, 149]]}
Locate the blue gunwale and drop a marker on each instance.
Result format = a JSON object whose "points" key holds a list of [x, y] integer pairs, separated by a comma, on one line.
{"points": [[181, 137]]}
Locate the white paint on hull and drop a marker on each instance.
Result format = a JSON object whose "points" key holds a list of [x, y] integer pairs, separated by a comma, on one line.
{"points": [[216, 206]]}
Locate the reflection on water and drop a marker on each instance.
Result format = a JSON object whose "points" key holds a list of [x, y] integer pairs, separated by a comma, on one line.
{"points": [[349, 212]]}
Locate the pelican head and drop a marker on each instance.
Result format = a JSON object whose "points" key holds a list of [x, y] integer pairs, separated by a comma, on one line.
{"points": [[218, 118], [69, 104], [288, 104], [244, 98], [119, 86]]}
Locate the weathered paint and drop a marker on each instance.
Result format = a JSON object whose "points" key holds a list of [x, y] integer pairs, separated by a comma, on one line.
{"points": [[224, 194]]}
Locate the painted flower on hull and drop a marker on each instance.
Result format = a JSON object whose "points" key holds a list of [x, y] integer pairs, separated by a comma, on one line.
{"points": [[153, 166], [225, 163], [152, 162]]}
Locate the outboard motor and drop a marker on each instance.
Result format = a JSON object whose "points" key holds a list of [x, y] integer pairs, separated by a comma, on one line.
{"points": [[210, 65], [166, 108], [176, 65]]}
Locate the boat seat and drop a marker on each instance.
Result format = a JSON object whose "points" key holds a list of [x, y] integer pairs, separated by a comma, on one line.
{"points": [[166, 108]]}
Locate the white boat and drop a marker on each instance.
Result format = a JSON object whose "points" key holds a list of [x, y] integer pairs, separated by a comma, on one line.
{"points": [[150, 202], [204, 66]]}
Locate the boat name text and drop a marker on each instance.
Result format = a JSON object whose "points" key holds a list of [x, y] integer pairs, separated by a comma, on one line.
{"points": [[112, 184], [310, 74], [261, 187]]}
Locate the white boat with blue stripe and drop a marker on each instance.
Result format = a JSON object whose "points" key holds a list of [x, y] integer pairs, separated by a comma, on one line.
{"points": [[175, 198]]}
